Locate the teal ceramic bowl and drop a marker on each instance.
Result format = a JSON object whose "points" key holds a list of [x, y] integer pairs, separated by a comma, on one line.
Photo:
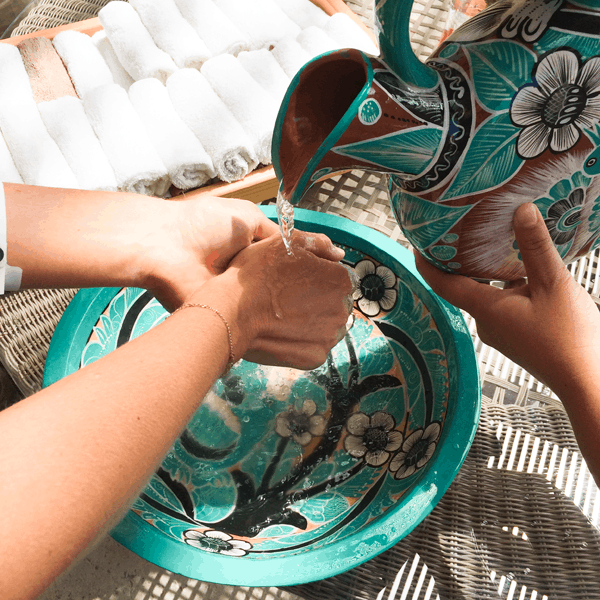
{"points": [[282, 476]]}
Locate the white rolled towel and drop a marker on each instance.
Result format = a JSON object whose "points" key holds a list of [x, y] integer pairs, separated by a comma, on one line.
{"points": [[222, 136], [303, 12], [137, 165], [291, 56], [120, 75], [264, 68], [66, 122], [315, 41], [213, 27], [8, 170], [34, 153], [86, 66], [172, 33], [341, 28], [261, 20], [187, 161], [133, 44], [249, 103]]}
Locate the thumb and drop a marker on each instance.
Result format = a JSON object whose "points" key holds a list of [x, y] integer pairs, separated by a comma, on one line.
{"points": [[460, 291], [264, 228], [542, 262], [318, 244]]}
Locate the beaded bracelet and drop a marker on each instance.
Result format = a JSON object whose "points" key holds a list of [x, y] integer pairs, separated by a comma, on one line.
{"points": [[232, 359]]}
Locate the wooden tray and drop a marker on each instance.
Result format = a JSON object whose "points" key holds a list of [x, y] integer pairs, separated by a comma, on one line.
{"points": [[261, 184]]}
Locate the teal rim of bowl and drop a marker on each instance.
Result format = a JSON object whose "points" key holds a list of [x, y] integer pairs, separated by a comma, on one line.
{"points": [[149, 543]]}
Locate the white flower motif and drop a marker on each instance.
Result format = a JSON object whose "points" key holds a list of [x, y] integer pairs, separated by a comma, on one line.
{"points": [[563, 209], [372, 438], [301, 425], [216, 542], [376, 290], [416, 451], [564, 98]]}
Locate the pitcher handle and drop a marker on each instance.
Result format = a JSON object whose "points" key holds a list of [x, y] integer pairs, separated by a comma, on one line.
{"points": [[392, 19]]}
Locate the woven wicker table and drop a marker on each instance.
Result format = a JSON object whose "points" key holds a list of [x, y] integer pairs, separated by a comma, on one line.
{"points": [[519, 522]]}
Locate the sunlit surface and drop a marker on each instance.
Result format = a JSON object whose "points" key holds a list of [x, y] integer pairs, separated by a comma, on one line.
{"points": [[564, 469]]}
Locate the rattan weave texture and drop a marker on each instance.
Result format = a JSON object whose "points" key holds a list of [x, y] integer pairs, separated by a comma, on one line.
{"points": [[27, 322], [511, 519], [53, 13], [516, 521]]}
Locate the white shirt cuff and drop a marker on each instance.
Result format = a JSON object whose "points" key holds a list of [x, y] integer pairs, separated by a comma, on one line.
{"points": [[12, 279]]}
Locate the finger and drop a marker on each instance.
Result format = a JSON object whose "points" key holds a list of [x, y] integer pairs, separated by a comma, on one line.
{"points": [[354, 278], [251, 218], [456, 289], [310, 334], [543, 265], [296, 355], [318, 244], [264, 228]]}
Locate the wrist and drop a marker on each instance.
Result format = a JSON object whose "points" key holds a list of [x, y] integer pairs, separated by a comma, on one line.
{"points": [[224, 295], [577, 380], [167, 263], [156, 255]]}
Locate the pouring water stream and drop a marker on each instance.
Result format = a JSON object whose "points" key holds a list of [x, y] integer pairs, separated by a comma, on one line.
{"points": [[285, 218]]}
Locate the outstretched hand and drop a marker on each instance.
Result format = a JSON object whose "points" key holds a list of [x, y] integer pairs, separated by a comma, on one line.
{"points": [[200, 242], [547, 324], [286, 310]]}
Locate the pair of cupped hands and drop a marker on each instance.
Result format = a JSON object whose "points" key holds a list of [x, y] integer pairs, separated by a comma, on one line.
{"points": [[291, 310], [285, 310]]}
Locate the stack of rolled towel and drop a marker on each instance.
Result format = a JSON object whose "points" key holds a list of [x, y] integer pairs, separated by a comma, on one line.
{"points": [[168, 93]]}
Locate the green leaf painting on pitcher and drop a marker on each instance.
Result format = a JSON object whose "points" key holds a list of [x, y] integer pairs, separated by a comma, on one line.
{"points": [[499, 69], [407, 151], [586, 46], [491, 158]]}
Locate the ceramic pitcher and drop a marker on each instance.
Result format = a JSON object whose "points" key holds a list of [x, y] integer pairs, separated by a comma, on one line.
{"points": [[506, 111]]}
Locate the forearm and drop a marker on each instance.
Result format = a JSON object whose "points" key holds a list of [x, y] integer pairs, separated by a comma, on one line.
{"points": [[86, 444], [76, 238], [581, 398]]}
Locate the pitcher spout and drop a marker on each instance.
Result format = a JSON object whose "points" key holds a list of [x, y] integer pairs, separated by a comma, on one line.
{"points": [[320, 104], [346, 110]]}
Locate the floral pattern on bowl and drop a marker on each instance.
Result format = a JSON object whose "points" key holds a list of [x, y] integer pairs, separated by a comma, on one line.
{"points": [[278, 463]]}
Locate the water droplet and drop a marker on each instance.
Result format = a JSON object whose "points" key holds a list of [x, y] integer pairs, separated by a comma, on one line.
{"points": [[246, 419], [584, 544]]}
